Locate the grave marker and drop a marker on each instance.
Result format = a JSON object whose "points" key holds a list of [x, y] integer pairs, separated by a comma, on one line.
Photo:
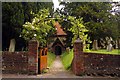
{"points": [[95, 45], [12, 45], [109, 45]]}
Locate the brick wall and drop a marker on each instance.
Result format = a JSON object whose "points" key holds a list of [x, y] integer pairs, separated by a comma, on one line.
{"points": [[15, 62], [33, 56], [78, 60], [93, 63], [102, 64], [21, 62]]}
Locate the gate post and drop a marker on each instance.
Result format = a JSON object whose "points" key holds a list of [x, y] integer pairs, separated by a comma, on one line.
{"points": [[33, 56], [78, 60]]}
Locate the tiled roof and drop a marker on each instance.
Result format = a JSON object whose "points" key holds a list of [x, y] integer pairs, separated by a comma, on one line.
{"points": [[59, 29]]}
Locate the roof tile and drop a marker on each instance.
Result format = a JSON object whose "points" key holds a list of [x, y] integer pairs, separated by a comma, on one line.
{"points": [[59, 29]]}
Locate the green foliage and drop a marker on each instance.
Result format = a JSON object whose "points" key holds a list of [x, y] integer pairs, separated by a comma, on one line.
{"points": [[78, 29], [14, 15], [67, 59], [97, 15], [15, 12], [50, 58], [40, 27]]}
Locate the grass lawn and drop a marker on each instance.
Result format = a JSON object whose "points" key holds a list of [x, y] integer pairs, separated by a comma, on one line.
{"points": [[67, 59], [51, 58], [104, 51]]}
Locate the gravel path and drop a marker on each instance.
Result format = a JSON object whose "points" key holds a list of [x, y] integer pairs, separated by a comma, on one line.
{"points": [[57, 70]]}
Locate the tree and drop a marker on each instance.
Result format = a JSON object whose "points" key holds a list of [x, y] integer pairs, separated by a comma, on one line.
{"points": [[12, 19], [40, 27], [97, 16], [100, 22], [78, 29], [14, 15], [116, 13]]}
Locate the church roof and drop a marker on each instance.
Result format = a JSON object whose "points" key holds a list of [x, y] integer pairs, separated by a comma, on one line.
{"points": [[58, 40], [59, 29]]}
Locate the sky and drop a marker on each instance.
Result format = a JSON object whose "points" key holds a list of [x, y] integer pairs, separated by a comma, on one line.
{"points": [[56, 4], [116, 0]]}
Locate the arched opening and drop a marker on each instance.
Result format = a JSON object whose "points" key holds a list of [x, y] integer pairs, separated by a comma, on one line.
{"points": [[58, 50]]}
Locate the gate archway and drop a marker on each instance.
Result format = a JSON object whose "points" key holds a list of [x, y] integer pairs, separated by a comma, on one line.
{"points": [[58, 50]]}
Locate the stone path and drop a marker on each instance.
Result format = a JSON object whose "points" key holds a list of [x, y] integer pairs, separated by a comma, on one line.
{"points": [[57, 70], [57, 66]]}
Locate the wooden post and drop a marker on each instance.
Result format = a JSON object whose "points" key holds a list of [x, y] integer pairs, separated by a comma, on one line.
{"points": [[33, 56], [78, 60]]}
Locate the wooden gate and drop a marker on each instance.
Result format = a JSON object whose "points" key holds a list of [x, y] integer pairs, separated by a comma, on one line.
{"points": [[42, 60]]}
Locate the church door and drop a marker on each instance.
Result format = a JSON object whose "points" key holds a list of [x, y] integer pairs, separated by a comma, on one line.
{"points": [[58, 50]]}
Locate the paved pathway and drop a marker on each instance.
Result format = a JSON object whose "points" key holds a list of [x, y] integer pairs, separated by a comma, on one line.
{"points": [[57, 66], [57, 70]]}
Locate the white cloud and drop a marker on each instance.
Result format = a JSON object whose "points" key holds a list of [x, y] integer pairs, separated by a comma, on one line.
{"points": [[56, 4], [116, 0], [61, 6]]}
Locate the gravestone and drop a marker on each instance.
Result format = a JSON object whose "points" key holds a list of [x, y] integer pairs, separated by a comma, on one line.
{"points": [[116, 44], [95, 45], [12, 45], [109, 46]]}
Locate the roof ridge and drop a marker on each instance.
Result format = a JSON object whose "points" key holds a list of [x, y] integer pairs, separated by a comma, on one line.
{"points": [[59, 29]]}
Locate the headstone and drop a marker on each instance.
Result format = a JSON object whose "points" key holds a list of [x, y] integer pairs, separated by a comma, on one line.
{"points": [[109, 47], [116, 44], [95, 45], [12, 45]]}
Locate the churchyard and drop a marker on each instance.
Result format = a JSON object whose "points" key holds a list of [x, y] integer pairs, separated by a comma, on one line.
{"points": [[82, 38]]}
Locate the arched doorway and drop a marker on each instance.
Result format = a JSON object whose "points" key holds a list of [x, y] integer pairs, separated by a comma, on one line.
{"points": [[58, 50]]}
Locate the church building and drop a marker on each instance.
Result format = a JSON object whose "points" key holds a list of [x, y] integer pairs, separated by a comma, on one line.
{"points": [[57, 44]]}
